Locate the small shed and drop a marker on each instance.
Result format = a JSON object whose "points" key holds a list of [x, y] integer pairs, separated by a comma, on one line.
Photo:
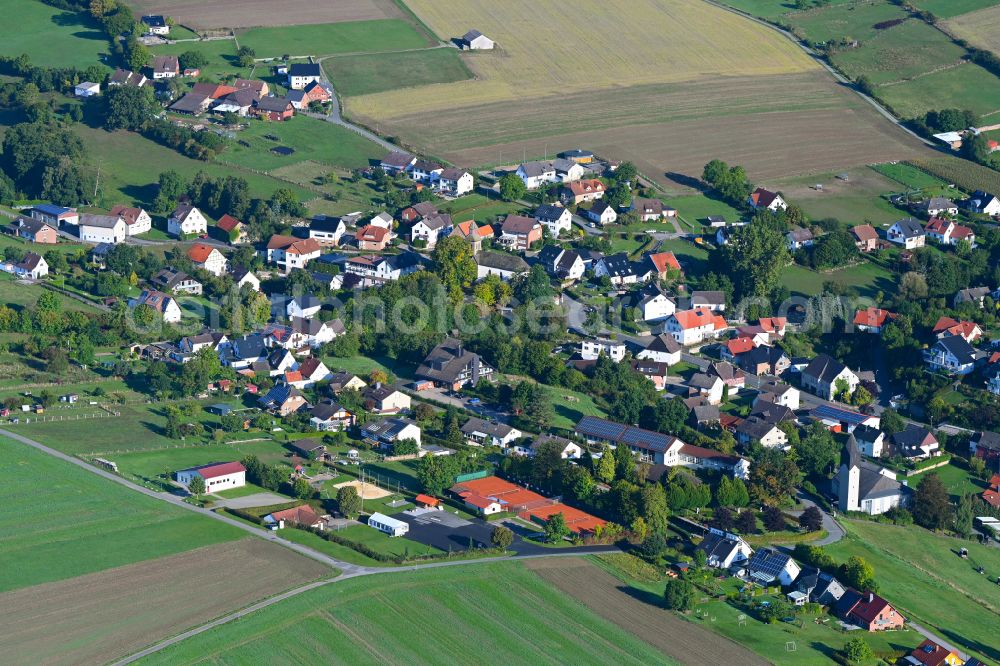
{"points": [[87, 89], [219, 409]]}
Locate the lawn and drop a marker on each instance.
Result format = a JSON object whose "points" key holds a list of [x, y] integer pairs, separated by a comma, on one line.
{"points": [[52, 37], [693, 258], [901, 52], [82, 523], [957, 480], [847, 21], [377, 72], [14, 294], [126, 179], [350, 196], [383, 543], [361, 366], [908, 175], [479, 208], [157, 463], [312, 139], [323, 39], [570, 406], [402, 472], [697, 208], [968, 86], [862, 197], [496, 613], [921, 573], [867, 278], [951, 8], [220, 53]]}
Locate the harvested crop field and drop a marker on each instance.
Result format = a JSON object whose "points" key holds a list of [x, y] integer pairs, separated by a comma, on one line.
{"points": [[733, 90], [607, 596], [981, 29], [103, 616], [203, 14]]}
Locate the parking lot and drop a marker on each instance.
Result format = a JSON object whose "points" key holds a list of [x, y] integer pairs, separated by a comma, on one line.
{"points": [[446, 531]]}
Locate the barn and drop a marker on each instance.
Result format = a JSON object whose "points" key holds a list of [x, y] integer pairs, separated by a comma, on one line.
{"points": [[217, 476]]}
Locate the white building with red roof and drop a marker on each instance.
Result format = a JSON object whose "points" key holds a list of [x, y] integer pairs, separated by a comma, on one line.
{"points": [[217, 476], [689, 327], [207, 258], [762, 199], [137, 219], [289, 252]]}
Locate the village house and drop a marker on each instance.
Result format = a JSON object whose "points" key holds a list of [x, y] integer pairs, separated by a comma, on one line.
{"points": [[561, 263], [425, 171], [165, 305], [346, 381], [102, 229], [952, 355], [907, 232], [192, 103], [870, 440], [473, 234], [165, 67], [290, 253], [31, 266], [452, 366], [303, 306], [983, 203], [763, 360], [662, 348], [186, 220], [652, 210], [914, 442], [710, 388], [303, 516], [274, 108], [723, 549], [309, 449], [665, 264], [761, 199], [503, 265], [431, 229], [592, 348], [777, 393], [946, 327], [536, 174], [489, 433], [214, 340], [86, 89], [600, 213], [454, 182], [935, 206], [256, 86], [55, 215], [155, 24], [872, 319], [580, 191], [207, 258], [327, 231], [396, 162], [384, 433], [655, 371], [819, 587], [301, 74], [520, 232], [652, 304], [975, 295], [283, 400], [689, 327], [764, 431], [384, 399], [373, 239], [232, 227], [217, 476], [869, 611], [930, 653], [126, 77], [137, 219], [329, 415], [174, 281], [556, 219], [35, 231], [568, 450], [798, 238], [985, 445], [824, 372], [619, 269], [865, 237], [418, 211], [769, 566], [711, 300]]}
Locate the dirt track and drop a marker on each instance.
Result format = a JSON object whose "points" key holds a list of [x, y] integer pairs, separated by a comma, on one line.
{"points": [[606, 596], [95, 618], [201, 14]]}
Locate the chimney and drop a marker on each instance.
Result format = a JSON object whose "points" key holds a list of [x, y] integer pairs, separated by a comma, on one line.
{"points": [[871, 597], [378, 385]]}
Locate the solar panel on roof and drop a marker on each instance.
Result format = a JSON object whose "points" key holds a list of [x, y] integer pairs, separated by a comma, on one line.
{"points": [[846, 415], [600, 428], [768, 563], [645, 439]]}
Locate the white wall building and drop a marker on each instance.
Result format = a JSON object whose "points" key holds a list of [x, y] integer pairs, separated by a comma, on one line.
{"points": [[187, 220], [391, 526], [591, 349], [217, 476], [103, 229]]}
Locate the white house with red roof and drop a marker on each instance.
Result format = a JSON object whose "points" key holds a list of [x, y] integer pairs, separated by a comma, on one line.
{"points": [[762, 199], [289, 252], [217, 476], [137, 219], [689, 327], [871, 320], [207, 258], [663, 263], [162, 303], [946, 327]]}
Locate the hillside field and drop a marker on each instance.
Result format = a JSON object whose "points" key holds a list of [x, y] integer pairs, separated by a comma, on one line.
{"points": [[534, 96], [82, 523], [497, 613], [980, 28], [52, 37], [201, 14]]}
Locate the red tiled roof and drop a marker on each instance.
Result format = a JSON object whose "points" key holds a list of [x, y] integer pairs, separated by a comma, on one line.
{"points": [[930, 653], [127, 213], [227, 223], [938, 225], [962, 232], [581, 187], [200, 252], [293, 245], [293, 376], [664, 261], [302, 515], [874, 317], [372, 234], [738, 346], [867, 610], [762, 198], [427, 500], [477, 501], [221, 469], [699, 317], [992, 498], [864, 232]]}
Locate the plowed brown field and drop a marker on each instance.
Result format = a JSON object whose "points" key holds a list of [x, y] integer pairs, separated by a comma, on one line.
{"points": [[606, 596], [202, 14], [96, 618]]}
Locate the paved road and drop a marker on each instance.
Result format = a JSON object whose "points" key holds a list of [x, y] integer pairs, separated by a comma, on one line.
{"points": [[337, 118], [834, 530], [250, 501], [927, 633]]}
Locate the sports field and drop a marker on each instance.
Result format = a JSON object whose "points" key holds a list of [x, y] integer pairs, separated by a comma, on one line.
{"points": [[498, 613], [534, 95], [80, 523], [52, 37], [104, 616], [250, 13], [922, 573], [981, 28]]}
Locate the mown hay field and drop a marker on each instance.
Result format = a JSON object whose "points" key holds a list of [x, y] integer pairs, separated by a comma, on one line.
{"points": [[691, 82], [100, 617], [981, 29], [203, 14], [498, 613]]}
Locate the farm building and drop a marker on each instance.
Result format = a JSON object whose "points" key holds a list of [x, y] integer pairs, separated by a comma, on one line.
{"points": [[217, 476], [476, 41], [387, 524], [303, 516]]}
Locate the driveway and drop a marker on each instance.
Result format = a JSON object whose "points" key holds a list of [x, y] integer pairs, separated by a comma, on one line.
{"points": [[834, 531], [251, 501]]}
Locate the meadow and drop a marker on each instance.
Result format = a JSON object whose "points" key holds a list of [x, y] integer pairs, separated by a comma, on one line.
{"points": [[377, 72], [497, 613], [944, 9], [479, 208], [155, 464], [332, 38], [967, 86], [82, 523], [908, 176], [980, 28], [867, 279], [52, 37], [252, 13], [221, 56], [17, 295], [902, 52], [861, 197], [921, 573]]}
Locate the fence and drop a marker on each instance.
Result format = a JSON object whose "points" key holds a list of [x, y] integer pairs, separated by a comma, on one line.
{"points": [[62, 417]]}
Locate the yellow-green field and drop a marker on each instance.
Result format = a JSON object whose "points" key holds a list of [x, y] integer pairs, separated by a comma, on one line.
{"points": [[981, 28], [667, 84]]}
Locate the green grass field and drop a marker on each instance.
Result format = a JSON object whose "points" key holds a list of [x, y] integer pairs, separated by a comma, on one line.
{"points": [[479, 208], [922, 574], [312, 139], [968, 86], [769, 9], [696, 207], [571, 406], [13, 293], [479, 614], [867, 278], [148, 465], [693, 259], [58, 521], [373, 73], [956, 480], [951, 8], [383, 543], [52, 37], [220, 53], [127, 179], [908, 175], [850, 21], [331, 38], [901, 52]]}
